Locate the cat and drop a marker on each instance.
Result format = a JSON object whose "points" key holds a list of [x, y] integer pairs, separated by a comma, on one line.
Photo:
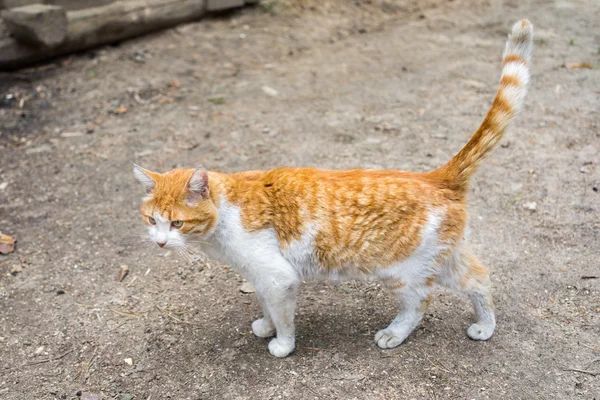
{"points": [[408, 230]]}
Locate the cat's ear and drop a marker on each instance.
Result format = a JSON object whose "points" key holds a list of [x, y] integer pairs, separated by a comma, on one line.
{"points": [[145, 178], [197, 186]]}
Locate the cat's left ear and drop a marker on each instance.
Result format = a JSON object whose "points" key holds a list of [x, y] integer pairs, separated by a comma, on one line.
{"points": [[145, 178], [197, 186]]}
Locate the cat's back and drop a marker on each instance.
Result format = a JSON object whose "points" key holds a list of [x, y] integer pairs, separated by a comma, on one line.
{"points": [[357, 187], [341, 218]]}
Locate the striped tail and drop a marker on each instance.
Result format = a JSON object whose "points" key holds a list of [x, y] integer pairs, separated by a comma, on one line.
{"points": [[508, 101]]}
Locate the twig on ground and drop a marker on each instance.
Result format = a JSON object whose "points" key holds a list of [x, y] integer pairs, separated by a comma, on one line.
{"points": [[87, 369], [591, 362], [49, 359], [117, 327], [127, 313], [591, 347], [582, 371], [309, 388], [87, 365], [440, 366], [315, 348], [168, 314], [131, 282]]}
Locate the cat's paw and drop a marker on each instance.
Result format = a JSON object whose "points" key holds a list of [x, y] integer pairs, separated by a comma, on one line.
{"points": [[388, 338], [281, 348], [263, 328], [480, 331]]}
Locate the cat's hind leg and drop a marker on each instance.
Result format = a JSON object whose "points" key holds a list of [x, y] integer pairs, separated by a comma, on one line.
{"points": [[466, 274], [413, 300]]}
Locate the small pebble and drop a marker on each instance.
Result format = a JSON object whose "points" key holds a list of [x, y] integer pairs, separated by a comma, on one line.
{"points": [[247, 287], [270, 91]]}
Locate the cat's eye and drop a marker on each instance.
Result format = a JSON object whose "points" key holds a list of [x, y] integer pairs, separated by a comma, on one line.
{"points": [[177, 224], [152, 220]]}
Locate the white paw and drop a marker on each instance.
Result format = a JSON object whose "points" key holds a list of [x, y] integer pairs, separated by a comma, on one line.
{"points": [[281, 348], [388, 339], [263, 328], [480, 331]]}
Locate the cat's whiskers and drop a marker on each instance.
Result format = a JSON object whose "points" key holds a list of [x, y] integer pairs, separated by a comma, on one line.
{"points": [[184, 251], [181, 253], [199, 242]]}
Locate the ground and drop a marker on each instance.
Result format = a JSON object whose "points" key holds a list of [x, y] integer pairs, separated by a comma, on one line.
{"points": [[332, 84]]}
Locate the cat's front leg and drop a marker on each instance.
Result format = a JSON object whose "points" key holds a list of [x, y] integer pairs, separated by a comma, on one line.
{"points": [[263, 327], [277, 285]]}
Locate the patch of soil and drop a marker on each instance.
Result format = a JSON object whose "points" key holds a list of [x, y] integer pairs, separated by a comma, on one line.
{"points": [[334, 85]]}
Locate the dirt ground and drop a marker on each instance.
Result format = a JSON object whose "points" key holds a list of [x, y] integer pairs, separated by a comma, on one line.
{"points": [[343, 84]]}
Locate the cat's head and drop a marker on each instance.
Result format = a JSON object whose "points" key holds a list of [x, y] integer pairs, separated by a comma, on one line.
{"points": [[178, 204]]}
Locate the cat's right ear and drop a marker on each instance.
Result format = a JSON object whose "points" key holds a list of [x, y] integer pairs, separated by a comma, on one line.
{"points": [[197, 186], [144, 177]]}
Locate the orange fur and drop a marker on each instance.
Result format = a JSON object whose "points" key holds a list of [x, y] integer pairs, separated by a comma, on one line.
{"points": [[513, 58]]}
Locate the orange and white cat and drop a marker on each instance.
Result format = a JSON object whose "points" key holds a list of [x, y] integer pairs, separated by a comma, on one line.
{"points": [[278, 227]]}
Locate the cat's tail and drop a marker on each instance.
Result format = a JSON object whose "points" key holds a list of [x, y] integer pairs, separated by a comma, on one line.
{"points": [[508, 101]]}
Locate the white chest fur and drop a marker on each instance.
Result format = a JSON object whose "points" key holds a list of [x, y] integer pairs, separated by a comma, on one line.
{"points": [[231, 244]]}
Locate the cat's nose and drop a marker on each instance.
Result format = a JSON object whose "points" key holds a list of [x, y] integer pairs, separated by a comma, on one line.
{"points": [[161, 244]]}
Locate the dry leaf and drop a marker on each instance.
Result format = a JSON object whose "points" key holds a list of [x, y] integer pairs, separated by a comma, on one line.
{"points": [[123, 271], [579, 65], [7, 244], [121, 110]]}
